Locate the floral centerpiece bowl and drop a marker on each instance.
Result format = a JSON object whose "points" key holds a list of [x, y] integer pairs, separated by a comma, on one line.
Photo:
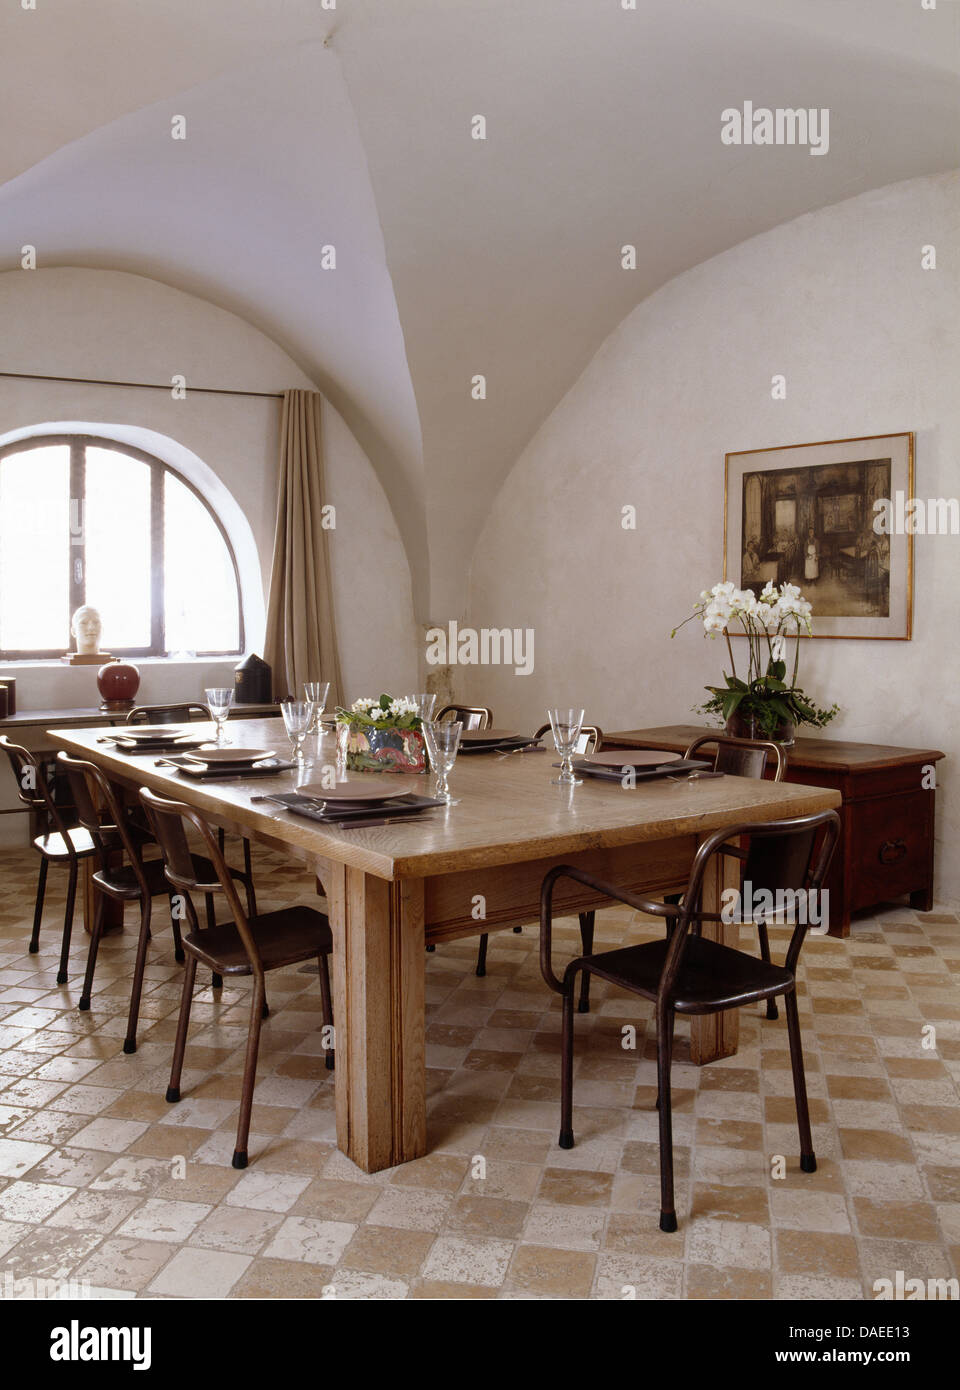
{"points": [[384, 735], [762, 704]]}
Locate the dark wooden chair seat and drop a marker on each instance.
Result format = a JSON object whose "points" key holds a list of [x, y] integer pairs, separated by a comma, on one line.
{"points": [[54, 844], [122, 880], [285, 937], [711, 977]]}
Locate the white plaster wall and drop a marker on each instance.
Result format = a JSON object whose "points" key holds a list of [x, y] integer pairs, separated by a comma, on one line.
{"points": [[869, 344]]}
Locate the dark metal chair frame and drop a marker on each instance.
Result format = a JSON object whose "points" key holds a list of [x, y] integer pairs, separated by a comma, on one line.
{"points": [[112, 830], [60, 845], [721, 977], [250, 945], [587, 919]]}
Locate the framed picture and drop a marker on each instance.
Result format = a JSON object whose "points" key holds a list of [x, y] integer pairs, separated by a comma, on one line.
{"points": [[805, 514]]}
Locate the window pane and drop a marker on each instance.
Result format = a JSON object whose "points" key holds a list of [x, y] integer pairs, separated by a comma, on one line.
{"points": [[117, 532], [34, 563], [200, 586]]}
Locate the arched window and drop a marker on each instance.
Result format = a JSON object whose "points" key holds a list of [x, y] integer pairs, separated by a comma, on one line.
{"points": [[85, 520]]}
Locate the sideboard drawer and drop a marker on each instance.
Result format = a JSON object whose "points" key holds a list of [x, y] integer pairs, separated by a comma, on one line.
{"points": [[890, 847]]}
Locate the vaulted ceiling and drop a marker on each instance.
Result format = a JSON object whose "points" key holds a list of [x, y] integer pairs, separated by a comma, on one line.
{"points": [[309, 126]]}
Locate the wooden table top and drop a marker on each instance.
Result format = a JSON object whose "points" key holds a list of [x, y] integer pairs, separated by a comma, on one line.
{"points": [[837, 755], [508, 809]]}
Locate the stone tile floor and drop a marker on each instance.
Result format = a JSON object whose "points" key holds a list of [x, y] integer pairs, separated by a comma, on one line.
{"points": [[103, 1183]]}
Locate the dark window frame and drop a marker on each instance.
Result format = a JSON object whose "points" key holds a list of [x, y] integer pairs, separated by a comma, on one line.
{"points": [[76, 551]]}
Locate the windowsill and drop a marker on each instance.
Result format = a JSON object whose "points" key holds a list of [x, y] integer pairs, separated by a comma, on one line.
{"points": [[54, 663]]}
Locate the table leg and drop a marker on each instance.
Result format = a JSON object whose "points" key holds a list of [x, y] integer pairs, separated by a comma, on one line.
{"points": [[716, 1035], [378, 1011]]}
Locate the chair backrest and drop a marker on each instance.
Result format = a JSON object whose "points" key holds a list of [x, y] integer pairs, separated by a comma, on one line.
{"points": [[470, 716], [28, 775], [168, 821], [106, 822], [793, 854], [590, 740], [188, 712], [742, 757]]}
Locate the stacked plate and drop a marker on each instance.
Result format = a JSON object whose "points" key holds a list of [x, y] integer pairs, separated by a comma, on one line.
{"points": [[153, 738], [491, 741], [224, 762], [631, 765], [375, 799]]}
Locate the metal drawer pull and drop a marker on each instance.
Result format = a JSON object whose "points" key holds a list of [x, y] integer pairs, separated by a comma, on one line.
{"points": [[892, 851]]}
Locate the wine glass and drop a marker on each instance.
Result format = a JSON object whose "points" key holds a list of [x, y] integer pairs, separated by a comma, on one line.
{"points": [[219, 700], [565, 724], [424, 704], [297, 715], [316, 692], [442, 742]]}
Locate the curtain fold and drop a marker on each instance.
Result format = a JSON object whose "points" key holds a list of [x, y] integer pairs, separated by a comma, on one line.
{"points": [[301, 639]]}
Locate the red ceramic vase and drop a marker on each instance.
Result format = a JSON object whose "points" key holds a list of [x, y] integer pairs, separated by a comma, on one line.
{"points": [[118, 682]]}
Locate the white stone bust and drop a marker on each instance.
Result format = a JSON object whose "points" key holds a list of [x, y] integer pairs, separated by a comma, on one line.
{"points": [[86, 626]]}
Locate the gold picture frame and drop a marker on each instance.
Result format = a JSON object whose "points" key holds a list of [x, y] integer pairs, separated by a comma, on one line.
{"points": [[804, 513]]}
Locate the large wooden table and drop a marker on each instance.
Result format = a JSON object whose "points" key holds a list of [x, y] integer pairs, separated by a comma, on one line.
{"points": [[392, 890]]}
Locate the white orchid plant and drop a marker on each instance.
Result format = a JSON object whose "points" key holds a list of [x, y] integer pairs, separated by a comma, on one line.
{"points": [[385, 712], [767, 622]]}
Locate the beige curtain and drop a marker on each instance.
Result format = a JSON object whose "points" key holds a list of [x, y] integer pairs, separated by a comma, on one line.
{"points": [[301, 641]]}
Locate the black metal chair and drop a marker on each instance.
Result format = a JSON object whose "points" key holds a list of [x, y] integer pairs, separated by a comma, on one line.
{"points": [[249, 945], [64, 845], [590, 740], [685, 973], [114, 834], [191, 712]]}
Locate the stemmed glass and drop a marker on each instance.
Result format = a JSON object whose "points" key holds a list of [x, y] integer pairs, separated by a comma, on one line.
{"points": [[424, 704], [565, 724], [297, 715], [219, 700], [442, 742], [316, 693]]}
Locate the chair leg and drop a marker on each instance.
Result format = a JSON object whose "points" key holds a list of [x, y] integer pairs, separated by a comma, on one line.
{"points": [[326, 1012], [92, 950], [248, 881], [183, 1023], [481, 956], [668, 1214], [587, 920], [67, 924], [249, 1075], [216, 981], [566, 1071], [38, 907], [808, 1161], [130, 1041], [772, 1010]]}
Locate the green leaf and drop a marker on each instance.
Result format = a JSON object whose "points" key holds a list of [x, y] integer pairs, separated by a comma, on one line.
{"points": [[731, 701]]}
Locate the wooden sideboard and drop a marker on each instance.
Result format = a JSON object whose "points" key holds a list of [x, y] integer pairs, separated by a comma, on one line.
{"points": [[886, 846]]}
